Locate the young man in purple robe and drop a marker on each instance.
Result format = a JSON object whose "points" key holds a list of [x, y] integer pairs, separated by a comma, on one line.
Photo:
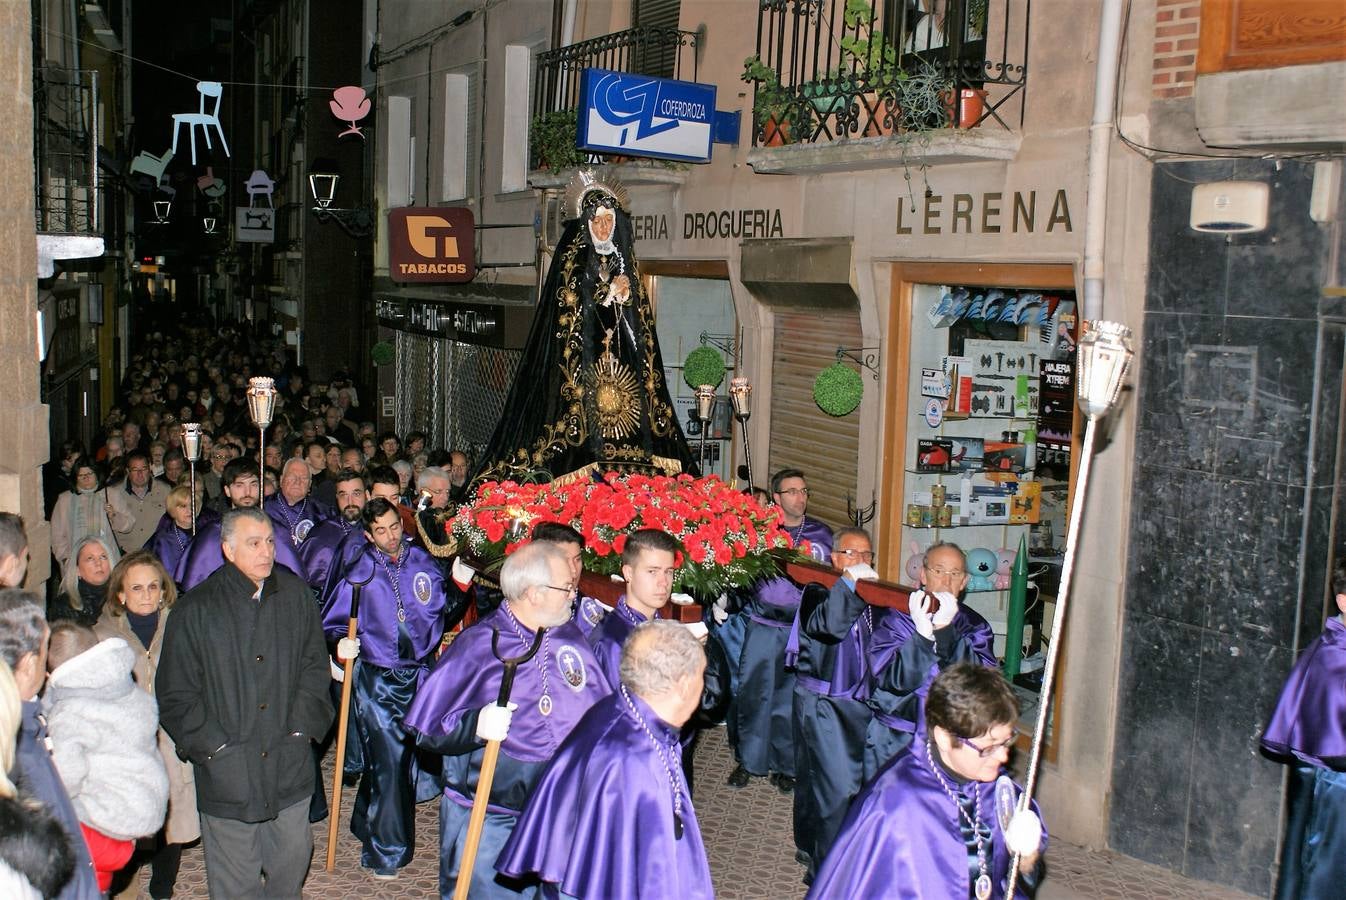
{"points": [[939, 821], [402, 617], [455, 711], [205, 555], [617, 776], [649, 565], [907, 651], [333, 544], [760, 722], [1308, 726], [827, 650]]}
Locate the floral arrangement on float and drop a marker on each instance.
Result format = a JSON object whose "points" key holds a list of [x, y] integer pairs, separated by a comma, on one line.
{"points": [[729, 537]]}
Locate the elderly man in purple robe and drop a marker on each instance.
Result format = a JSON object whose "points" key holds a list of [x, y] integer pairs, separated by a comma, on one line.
{"points": [[940, 820], [907, 650], [455, 711], [334, 544], [205, 555], [1308, 728], [760, 719], [617, 776], [295, 513], [827, 650], [401, 621]]}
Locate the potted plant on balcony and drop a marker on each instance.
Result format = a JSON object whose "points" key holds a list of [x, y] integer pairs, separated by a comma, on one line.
{"points": [[872, 61], [771, 106], [552, 140]]}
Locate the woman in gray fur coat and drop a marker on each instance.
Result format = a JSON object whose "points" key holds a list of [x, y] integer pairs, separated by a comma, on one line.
{"points": [[140, 599]]}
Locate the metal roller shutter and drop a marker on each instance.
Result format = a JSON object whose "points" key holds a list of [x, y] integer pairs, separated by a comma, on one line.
{"points": [[804, 437]]}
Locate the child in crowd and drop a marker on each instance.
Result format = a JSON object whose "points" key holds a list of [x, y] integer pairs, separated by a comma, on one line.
{"points": [[104, 733]]}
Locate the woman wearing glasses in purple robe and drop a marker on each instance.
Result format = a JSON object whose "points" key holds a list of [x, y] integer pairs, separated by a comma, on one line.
{"points": [[939, 820]]}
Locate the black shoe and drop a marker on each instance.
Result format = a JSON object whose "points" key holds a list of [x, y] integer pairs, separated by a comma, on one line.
{"points": [[802, 857], [739, 778], [784, 783], [350, 779]]}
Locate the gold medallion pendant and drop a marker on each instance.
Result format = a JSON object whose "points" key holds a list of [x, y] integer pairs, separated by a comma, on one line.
{"points": [[613, 387]]}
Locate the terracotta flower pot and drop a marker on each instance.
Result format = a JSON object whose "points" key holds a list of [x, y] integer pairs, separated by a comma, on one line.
{"points": [[971, 105], [774, 133]]}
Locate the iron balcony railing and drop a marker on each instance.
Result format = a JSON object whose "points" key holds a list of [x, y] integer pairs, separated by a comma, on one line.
{"points": [[661, 52], [65, 151], [826, 70]]}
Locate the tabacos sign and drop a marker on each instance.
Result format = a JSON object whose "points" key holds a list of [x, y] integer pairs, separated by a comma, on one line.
{"points": [[637, 115], [431, 243]]}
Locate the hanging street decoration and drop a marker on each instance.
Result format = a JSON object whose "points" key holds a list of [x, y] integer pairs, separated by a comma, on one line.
{"points": [[349, 104], [208, 91], [259, 184]]}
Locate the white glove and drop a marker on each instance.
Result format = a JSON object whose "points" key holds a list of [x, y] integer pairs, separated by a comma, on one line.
{"points": [[948, 608], [493, 721], [1024, 834], [462, 573], [720, 609], [862, 572], [681, 599], [920, 615], [348, 648]]}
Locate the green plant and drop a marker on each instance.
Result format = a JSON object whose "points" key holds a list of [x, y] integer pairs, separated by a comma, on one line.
{"points": [[770, 99], [704, 365], [837, 390], [381, 353], [867, 52], [552, 139]]}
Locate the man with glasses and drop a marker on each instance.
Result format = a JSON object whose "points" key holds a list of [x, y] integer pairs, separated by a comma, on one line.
{"points": [[907, 650], [137, 504], [760, 720], [401, 620], [940, 820], [827, 650], [455, 712]]}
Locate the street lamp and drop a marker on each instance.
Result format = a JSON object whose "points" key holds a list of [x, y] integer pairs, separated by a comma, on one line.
{"points": [[191, 448], [261, 405], [357, 221], [161, 210], [705, 404]]}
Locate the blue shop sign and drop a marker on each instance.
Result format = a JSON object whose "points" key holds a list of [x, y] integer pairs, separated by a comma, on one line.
{"points": [[636, 115]]}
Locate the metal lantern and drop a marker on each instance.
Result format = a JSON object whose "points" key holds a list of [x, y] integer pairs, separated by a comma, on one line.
{"points": [[261, 405], [705, 403], [1103, 359], [191, 448], [741, 393]]}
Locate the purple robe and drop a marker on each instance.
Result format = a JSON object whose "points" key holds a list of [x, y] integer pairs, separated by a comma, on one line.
{"points": [[169, 543], [607, 639], [384, 640], [1309, 721], [296, 521], [320, 549], [902, 838], [600, 821], [589, 614], [205, 555]]}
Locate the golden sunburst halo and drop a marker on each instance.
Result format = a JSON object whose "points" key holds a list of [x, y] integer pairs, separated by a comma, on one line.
{"points": [[613, 388]]}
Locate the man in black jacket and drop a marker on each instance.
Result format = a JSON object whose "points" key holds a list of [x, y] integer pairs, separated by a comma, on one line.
{"points": [[242, 689]]}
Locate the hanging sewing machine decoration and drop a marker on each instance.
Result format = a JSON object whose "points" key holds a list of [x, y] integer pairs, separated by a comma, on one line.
{"points": [[208, 93], [350, 105], [254, 225], [259, 184]]}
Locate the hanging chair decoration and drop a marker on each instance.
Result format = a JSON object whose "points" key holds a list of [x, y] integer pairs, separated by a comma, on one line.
{"points": [[837, 390], [381, 353], [704, 365], [350, 105]]}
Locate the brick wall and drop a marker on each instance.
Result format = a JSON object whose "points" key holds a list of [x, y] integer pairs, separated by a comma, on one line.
{"points": [[1177, 25]]}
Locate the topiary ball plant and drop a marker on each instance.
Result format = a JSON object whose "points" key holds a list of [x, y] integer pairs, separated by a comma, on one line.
{"points": [[837, 390], [381, 353], [704, 365]]}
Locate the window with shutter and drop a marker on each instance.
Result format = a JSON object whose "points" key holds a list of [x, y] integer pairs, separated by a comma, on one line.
{"points": [[655, 57]]}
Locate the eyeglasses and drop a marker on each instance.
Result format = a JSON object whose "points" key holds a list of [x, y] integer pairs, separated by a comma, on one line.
{"points": [[866, 555], [804, 491], [951, 573], [992, 750], [568, 591]]}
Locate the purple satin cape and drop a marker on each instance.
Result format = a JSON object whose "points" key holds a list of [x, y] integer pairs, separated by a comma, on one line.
{"points": [[421, 587], [784, 593], [467, 677], [169, 543], [204, 556], [600, 821], [895, 628], [1309, 721], [607, 638], [319, 549], [901, 839]]}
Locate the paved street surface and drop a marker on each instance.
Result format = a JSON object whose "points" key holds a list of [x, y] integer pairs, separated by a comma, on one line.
{"points": [[748, 834]]}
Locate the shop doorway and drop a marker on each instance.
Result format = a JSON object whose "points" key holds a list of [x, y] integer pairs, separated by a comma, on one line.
{"points": [[982, 438]]}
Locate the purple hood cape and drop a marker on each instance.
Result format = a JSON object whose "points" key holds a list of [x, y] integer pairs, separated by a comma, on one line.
{"points": [[1309, 721], [901, 839], [204, 556], [600, 821], [467, 677], [895, 628]]}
